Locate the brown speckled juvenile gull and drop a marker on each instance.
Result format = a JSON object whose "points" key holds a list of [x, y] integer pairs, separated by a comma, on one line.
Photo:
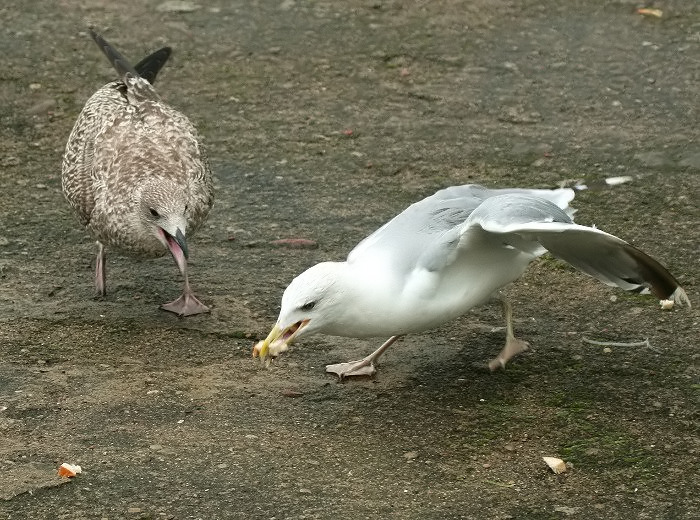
{"points": [[135, 172]]}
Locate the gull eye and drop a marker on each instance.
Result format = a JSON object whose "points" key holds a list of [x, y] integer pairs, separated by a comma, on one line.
{"points": [[308, 306], [154, 212]]}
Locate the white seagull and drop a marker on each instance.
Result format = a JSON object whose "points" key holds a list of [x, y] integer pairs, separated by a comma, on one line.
{"points": [[445, 255], [135, 172]]}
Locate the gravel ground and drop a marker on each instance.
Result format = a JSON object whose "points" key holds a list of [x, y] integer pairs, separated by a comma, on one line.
{"points": [[323, 119]]}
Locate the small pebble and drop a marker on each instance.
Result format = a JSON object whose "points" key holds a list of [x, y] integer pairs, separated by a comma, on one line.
{"points": [[42, 106]]}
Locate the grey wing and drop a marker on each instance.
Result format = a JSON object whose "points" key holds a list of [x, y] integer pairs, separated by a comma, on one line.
{"points": [[474, 192], [531, 224], [415, 229], [425, 230]]}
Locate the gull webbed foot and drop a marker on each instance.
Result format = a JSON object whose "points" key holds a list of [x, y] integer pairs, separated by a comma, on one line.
{"points": [[513, 347], [352, 369], [186, 305]]}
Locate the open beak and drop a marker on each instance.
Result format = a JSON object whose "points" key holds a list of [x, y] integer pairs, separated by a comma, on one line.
{"points": [[277, 341], [178, 247], [180, 241]]}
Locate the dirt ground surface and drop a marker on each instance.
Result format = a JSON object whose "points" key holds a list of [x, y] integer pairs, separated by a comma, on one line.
{"points": [[323, 119]]}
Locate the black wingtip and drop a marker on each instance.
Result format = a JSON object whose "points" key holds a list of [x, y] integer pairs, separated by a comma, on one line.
{"points": [[657, 278], [119, 62], [149, 67]]}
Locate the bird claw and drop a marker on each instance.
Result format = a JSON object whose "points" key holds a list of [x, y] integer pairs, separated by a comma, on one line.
{"points": [[513, 347], [352, 369], [496, 364]]}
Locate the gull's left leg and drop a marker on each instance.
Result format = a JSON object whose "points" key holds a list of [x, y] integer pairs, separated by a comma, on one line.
{"points": [[187, 304], [514, 346], [363, 367], [100, 269]]}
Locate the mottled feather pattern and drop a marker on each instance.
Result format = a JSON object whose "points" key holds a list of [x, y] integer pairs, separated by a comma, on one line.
{"points": [[139, 90], [78, 183], [124, 138]]}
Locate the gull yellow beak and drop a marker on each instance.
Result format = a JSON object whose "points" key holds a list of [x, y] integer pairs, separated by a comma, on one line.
{"points": [[277, 340], [262, 348]]}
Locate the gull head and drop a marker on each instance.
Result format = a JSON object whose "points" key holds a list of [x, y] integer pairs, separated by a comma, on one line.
{"points": [[162, 212], [313, 302]]}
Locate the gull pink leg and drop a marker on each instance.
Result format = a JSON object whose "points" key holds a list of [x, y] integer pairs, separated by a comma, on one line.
{"points": [[100, 271], [513, 345], [187, 304], [363, 367]]}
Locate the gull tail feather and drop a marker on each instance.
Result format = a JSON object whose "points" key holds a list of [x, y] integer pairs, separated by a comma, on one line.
{"points": [[138, 88], [119, 62], [149, 67]]}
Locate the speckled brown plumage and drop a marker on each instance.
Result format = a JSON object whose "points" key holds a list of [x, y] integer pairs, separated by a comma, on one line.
{"points": [[135, 172]]}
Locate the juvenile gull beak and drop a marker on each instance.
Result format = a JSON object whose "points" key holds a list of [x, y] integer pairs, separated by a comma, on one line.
{"points": [[180, 239], [277, 341], [177, 244], [187, 304]]}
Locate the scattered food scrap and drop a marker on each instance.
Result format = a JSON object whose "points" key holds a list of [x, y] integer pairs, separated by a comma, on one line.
{"points": [[69, 470], [614, 181], [646, 11], [556, 465]]}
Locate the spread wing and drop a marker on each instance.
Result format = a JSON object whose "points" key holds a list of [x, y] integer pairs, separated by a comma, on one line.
{"points": [[531, 224], [425, 225], [486, 230]]}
